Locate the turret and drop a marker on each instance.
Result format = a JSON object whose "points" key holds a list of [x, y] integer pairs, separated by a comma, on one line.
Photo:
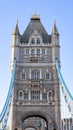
{"points": [[16, 35], [15, 45], [55, 43]]}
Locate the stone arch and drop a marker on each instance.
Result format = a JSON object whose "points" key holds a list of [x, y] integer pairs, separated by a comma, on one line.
{"points": [[45, 116]]}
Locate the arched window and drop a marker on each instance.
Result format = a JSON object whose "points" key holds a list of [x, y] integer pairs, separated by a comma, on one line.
{"points": [[21, 95], [35, 74], [50, 96], [32, 41], [38, 40]]}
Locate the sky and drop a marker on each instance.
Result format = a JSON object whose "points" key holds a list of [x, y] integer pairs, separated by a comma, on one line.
{"points": [[49, 11]]}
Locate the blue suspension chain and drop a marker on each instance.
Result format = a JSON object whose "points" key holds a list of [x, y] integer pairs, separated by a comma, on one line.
{"points": [[6, 109], [64, 88]]}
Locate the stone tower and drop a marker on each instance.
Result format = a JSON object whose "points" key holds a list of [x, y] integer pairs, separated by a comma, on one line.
{"points": [[36, 95]]}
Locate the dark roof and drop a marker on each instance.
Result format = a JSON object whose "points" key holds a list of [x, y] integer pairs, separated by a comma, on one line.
{"points": [[35, 24]]}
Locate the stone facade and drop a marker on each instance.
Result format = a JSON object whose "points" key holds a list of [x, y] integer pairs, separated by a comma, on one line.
{"points": [[36, 95]]}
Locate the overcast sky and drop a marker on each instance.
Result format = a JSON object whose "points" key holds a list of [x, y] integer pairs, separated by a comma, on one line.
{"points": [[49, 10]]}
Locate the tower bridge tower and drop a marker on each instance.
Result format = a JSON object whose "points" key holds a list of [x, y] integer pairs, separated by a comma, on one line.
{"points": [[36, 95]]}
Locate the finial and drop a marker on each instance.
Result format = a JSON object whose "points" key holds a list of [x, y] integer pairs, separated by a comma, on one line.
{"points": [[17, 21], [35, 17], [16, 30], [55, 21], [54, 30]]}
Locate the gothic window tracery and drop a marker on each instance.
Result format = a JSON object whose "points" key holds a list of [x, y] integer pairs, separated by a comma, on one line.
{"points": [[35, 95], [35, 74]]}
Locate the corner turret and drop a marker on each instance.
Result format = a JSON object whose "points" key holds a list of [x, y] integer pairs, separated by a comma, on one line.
{"points": [[15, 44], [55, 43], [16, 35]]}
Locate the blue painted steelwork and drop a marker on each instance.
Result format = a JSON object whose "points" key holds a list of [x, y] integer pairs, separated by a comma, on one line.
{"points": [[61, 79], [67, 95], [6, 109]]}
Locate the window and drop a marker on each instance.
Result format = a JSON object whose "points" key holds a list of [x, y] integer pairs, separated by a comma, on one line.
{"points": [[20, 95], [27, 51], [32, 41], [44, 96], [38, 52], [50, 96], [43, 51], [25, 96], [23, 76], [32, 51], [47, 76], [38, 40], [35, 74], [35, 95]]}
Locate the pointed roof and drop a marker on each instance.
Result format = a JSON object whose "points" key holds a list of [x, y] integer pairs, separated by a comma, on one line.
{"points": [[55, 30], [16, 30], [35, 24]]}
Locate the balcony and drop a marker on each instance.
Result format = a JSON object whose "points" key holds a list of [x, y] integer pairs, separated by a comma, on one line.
{"points": [[35, 58], [35, 82], [30, 102]]}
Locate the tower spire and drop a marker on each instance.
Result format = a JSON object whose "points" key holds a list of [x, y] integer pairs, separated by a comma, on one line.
{"points": [[54, 29], [16, 30]]}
